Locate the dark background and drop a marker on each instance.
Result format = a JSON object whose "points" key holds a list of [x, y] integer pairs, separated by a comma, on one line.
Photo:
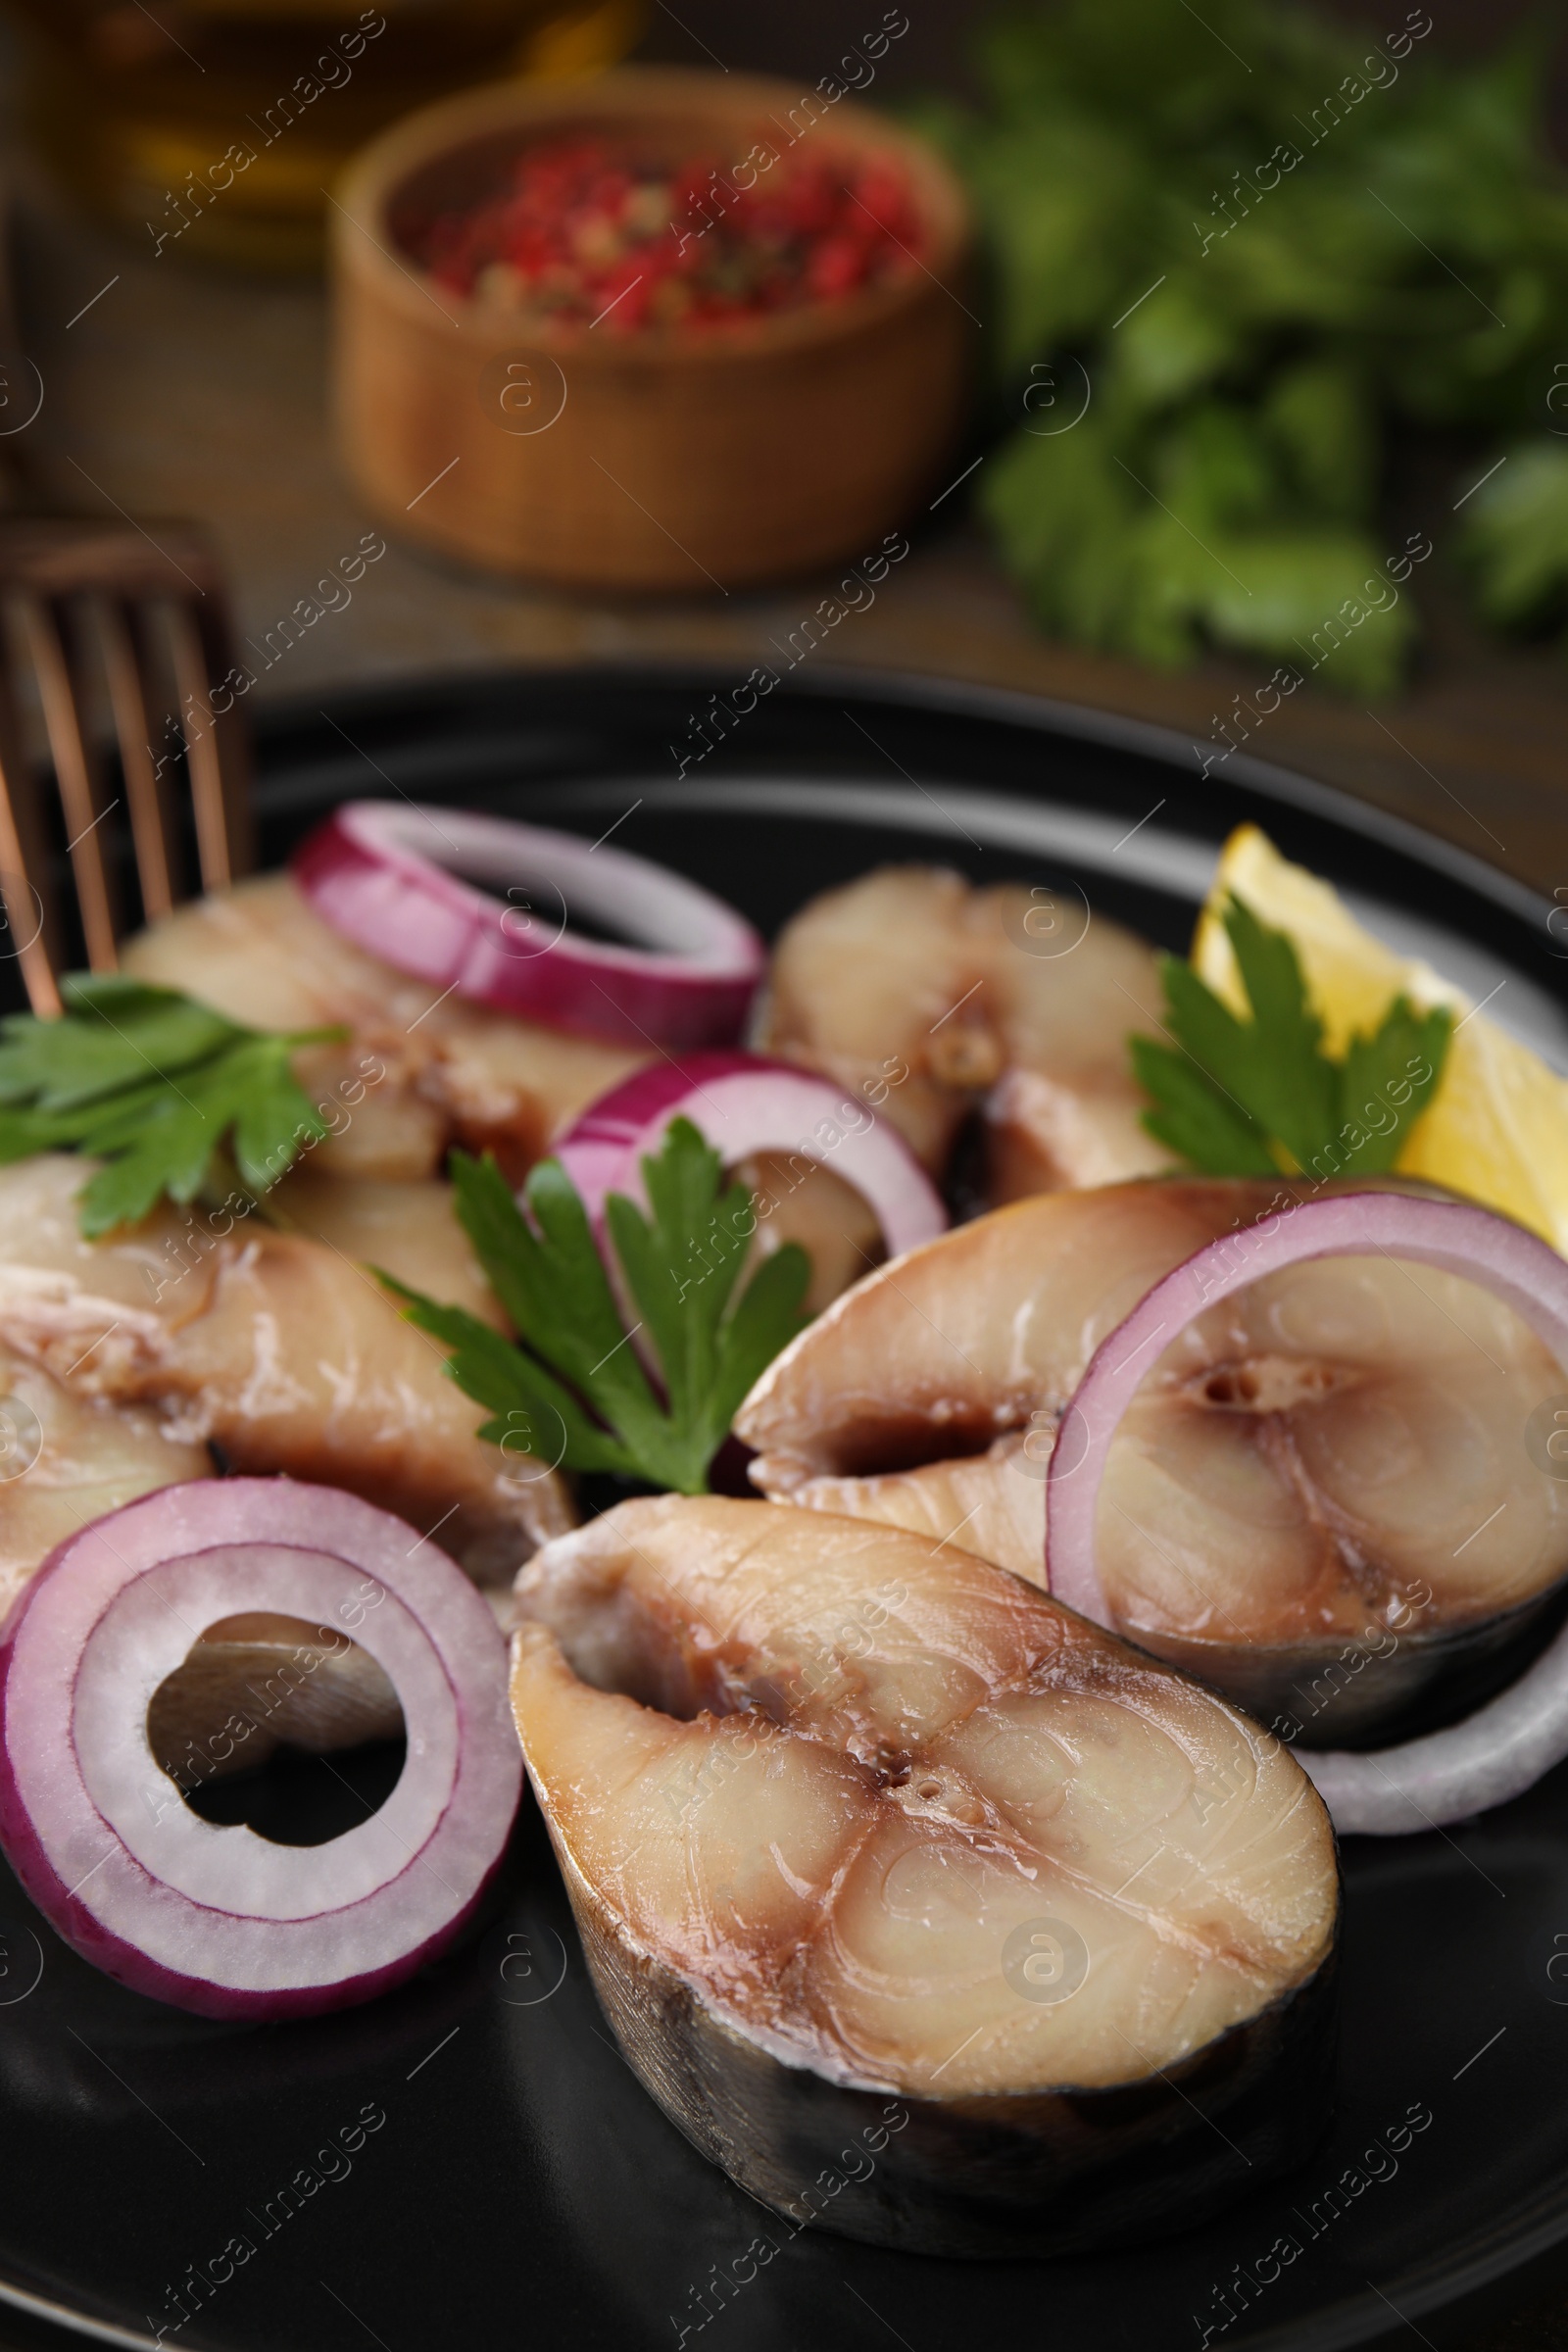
{"points": [[797, 36]]}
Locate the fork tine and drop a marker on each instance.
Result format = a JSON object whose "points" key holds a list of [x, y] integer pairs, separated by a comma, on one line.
{"points": [[218, 789], [130, 574], [125, 655], [24, 868], [32, 905], [74, 772]]}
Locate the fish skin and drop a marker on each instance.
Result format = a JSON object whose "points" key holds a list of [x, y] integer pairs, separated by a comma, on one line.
{"points": [[453, 1071], [934, 999], [978, 1330], [91, 1457], [278, 1348], [138, 1352], [424, 1070], [805, 1776], [1331, 1459]]}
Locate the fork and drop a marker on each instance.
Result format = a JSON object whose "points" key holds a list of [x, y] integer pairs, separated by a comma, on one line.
{"points": [[149, 601], [142, 599]]}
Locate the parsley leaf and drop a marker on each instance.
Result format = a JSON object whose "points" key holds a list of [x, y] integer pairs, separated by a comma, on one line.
{"points": [[1515, 541], [573, 1388], [1200, 1122], [153, 1084], [1261, 1096]]}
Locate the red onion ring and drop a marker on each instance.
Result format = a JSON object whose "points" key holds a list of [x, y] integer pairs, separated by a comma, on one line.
{"points": [[376, 874], [742, 1104], [1506, 1745], [219, 1920]]}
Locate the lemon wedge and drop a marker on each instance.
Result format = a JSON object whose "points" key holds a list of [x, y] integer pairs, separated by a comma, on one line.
{"points": [[1496, 1128]]}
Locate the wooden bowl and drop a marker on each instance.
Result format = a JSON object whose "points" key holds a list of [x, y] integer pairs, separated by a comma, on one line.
{"points": [[649, 460]]}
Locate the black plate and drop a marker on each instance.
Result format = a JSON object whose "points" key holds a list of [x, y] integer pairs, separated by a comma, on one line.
{"points": [[519, 2188]]}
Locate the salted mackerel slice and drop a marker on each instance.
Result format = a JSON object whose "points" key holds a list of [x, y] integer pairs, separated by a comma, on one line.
{"points": [[934, 1914]]}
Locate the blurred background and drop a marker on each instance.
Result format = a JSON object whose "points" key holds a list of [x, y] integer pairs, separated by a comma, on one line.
{"points": [[1331, 364]]}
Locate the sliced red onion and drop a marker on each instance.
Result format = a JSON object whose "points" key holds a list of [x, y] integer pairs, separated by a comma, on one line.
{"points": [[1506, 1745], [391, 879], [743, 1104], [1497, 1753], [218, 1918]]}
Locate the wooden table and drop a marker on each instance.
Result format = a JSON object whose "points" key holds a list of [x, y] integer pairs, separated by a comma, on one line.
{"points": [[180, 392], [168, 391]]}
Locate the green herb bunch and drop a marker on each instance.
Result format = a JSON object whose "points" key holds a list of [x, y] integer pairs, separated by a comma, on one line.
{"points": [[1261, 247]]}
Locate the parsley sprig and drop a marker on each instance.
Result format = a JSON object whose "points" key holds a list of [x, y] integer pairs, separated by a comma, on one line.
{"points": [[155, 1084], [1261, 1096], [573, 1388]]}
